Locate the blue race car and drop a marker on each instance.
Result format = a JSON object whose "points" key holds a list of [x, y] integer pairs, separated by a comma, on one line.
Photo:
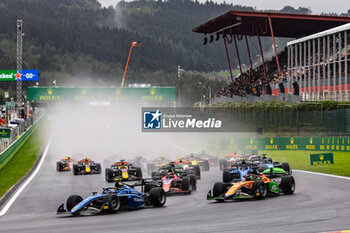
{"points": [[113, 198], [238, 172]]}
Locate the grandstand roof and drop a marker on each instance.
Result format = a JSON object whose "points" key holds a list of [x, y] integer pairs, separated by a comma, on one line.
{"points": [[331, 31], [255, 23]]}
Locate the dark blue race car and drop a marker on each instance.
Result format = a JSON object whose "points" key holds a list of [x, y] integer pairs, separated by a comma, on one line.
{"points": [[113, 198]]}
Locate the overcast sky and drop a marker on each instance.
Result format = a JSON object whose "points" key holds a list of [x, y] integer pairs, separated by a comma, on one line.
{"points": [[317, 6]]}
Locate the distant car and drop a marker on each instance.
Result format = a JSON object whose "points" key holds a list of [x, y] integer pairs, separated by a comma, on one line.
{"points": [[65, 164], [199, 159], [86, 166], [229, 160], [189, 167], [272, 181], [113, 198], [153, 166], [123, 171]]}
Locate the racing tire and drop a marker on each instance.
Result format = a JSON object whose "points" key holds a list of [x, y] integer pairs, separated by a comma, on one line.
{"points": [[148, 188], [287, 185], [75, 169], [138, 172], [72, 201], [206, 166], [226, 176], [193, 182], [59, 166], [98, 168], [113, 203], [157, 197], [185, 184], [259, 189], [219, 189], [197, 171], [286, 167], [109, 175]]}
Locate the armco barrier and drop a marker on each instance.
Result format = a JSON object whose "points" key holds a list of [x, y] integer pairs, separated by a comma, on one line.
{"points": [[8, 154], [285, 143]]}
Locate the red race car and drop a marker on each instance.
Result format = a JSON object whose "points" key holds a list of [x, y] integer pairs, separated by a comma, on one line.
{"points": [[174, 181]]}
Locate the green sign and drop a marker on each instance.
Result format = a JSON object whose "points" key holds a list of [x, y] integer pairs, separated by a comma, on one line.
{"points": [[5, 133], [321, 159], [285, 143], [156, 94], [8, 75]]}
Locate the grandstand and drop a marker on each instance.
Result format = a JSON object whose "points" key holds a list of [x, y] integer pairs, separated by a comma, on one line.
{"points": [[292, 69], [320, 64]]}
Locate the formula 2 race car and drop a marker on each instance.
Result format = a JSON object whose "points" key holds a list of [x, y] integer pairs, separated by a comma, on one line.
{"points": [[238, 172], [86, 166], [65, 164], [272, 181], [199, 159], [175, 181], [113, 198], [152, 166], [189, 167], [123, 171]]}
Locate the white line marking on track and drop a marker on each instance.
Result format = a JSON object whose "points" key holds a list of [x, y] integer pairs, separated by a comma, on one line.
{"points": [[324, 174], [18, 192]]}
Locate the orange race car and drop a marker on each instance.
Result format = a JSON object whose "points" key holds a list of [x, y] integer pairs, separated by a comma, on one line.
{"points": [[272, 181], [65, 164]]}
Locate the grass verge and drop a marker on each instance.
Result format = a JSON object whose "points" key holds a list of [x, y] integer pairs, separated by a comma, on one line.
{"points": [[22, 162], [301, 160]]}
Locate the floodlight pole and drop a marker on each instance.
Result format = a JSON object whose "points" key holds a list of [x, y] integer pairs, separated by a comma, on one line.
{"points": [[20, 35], [228, 59], [133, 44], [274, 45]]}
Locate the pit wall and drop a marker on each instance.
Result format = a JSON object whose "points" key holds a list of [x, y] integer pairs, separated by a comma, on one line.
{"points": [[285, 143], [10, 152]]}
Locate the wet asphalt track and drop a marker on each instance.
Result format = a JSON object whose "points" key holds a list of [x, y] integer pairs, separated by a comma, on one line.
{"points": [[319, 204]]}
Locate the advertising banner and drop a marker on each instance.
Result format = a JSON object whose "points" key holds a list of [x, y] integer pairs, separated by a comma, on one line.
{"points": [[321, 159], [5, 133], [287, 143], [13, 75]]}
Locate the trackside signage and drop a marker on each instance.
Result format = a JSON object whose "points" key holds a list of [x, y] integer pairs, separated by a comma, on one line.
{"points": [[156, 94], [287, 143], [5, 133], [14, 75], [321, 159]]}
